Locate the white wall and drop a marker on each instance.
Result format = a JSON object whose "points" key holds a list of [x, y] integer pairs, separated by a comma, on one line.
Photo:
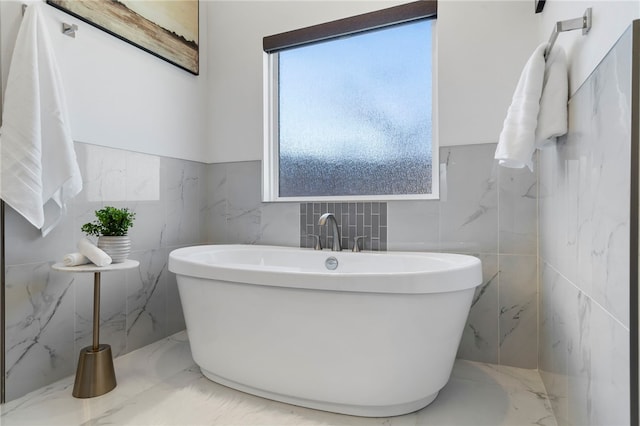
{"points": [[237, 29], [118, 95], [122, 97], [584, 53], [482, 47]]}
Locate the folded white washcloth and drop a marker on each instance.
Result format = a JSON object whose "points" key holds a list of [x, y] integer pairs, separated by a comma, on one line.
{"points": [[75, 259], [40, 173], [97, 256], [553, 115], [517, 139]]}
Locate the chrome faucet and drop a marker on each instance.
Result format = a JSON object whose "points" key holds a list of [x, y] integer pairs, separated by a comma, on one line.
{"points": [[334, 228]]}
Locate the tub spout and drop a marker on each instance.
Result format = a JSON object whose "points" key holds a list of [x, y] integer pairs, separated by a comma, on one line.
{"points": [[334, 229]]}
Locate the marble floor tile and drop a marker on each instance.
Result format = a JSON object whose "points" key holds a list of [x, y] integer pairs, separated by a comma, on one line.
{"points": [[159, 384]]}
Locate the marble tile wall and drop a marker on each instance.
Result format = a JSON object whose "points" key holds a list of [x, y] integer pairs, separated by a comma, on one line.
{"points": [[577, 334], [236, 215], [584, 215], [489, 212], [485, 211], [49, 314]]}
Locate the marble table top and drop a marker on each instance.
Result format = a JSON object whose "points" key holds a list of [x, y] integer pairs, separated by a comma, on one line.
{"points": [[90, 267]]}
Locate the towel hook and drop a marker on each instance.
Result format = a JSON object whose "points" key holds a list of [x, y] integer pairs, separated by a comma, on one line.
{"points": [[69, 29]]}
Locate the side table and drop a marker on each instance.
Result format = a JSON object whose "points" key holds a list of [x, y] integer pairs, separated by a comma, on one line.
{"points": [[95, 374]]}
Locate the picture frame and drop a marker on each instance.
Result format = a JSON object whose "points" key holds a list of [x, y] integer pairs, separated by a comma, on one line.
{"points": [[168, 30]]}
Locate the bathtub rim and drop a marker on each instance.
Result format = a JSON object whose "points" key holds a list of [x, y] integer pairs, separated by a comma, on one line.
{"points": [[466, 276]]}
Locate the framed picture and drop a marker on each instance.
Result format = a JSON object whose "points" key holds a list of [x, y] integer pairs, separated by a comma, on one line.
{"points": [[166, 29], [539, 5]]}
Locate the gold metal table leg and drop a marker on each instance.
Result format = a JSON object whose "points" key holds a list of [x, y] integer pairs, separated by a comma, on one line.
{"points": [[95, 375], [96, 310]]}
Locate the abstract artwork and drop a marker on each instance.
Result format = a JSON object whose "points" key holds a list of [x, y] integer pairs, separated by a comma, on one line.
{"points": [[166, 29]]}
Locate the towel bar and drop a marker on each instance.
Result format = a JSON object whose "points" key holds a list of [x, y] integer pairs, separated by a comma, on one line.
{"points": [[583, 23]]}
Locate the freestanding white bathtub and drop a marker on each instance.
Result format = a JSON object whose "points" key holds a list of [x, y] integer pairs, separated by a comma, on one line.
{"points": [[377, 336]]}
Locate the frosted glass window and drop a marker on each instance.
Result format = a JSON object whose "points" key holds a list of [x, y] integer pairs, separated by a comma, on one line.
{"points": [[354, 116]]}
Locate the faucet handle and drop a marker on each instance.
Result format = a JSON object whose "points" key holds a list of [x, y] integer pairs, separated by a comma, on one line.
{"points": [[356, 246], [316, 244]]}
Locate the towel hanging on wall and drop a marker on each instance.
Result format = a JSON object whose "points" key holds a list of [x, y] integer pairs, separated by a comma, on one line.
{"points": [[538, 111], [39, 170], [517, 139], [553, 117]]}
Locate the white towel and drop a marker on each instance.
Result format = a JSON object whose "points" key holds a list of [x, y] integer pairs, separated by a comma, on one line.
{"points": [[553, 115], [517, 139], [75, 259], [95, 255], [39, 168]]}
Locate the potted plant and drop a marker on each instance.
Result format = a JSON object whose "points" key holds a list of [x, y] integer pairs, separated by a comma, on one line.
{"points": [[111, 227]]}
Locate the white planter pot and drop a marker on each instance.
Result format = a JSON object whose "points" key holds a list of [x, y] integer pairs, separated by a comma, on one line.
{"points": [[118, 248]]}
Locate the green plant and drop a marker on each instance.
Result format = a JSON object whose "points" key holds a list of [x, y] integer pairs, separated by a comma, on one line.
{"points": [[110, 221]]}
